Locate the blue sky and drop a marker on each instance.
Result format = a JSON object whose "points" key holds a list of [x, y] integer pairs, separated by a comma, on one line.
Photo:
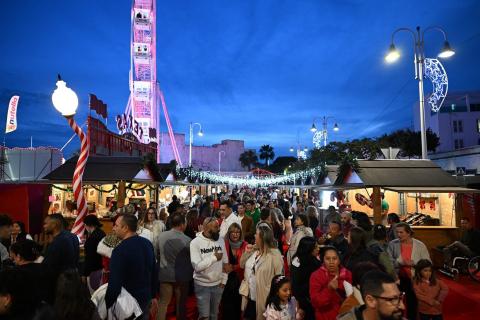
{"points": [[257, 70]]}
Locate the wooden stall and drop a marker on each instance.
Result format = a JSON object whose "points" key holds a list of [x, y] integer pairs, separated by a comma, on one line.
{"points": [[410, 188]]}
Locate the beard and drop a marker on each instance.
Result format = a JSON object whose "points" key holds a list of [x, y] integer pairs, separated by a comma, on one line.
{"points": [[396, 315], [215, 235]]}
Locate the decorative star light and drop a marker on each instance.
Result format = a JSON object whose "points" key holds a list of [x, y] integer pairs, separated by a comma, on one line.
{"points": [[250, 181], [318, 139], [435, 71]]}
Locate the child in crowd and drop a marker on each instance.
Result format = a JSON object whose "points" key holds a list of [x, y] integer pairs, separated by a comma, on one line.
{"points": [[280, 304], [430, 291]]}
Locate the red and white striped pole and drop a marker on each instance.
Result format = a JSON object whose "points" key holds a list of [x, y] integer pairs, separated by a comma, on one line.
{"points": [[78, 227], [65, 100]]}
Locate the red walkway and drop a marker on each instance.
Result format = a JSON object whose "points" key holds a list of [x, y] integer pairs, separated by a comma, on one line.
{"points": [[462, 302]]}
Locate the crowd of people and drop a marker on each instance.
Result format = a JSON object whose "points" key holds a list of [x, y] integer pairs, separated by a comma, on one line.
{"points": [[250, 254]]}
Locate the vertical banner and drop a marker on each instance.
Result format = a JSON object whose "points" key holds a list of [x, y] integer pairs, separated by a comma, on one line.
{"points": [[12, 115]]}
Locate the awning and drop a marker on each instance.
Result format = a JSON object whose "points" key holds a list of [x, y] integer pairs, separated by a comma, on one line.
{"points": [[398, 174], [433, 189], [99, 170]]}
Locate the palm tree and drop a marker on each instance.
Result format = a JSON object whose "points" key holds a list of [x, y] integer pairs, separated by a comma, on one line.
{"points": [[248, 159], [266, 153]]}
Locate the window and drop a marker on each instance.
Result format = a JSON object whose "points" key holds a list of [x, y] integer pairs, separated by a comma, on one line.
{"points": [[455, 128], [460, 126], [456, 144], [460, 142]]}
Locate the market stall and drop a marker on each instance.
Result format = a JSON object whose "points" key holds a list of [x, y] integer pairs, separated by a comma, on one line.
{"points": [[109, 182], [419, 191]]}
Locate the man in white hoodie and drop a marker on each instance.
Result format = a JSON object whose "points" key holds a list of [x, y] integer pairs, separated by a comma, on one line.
{"points": [[209, 259]]}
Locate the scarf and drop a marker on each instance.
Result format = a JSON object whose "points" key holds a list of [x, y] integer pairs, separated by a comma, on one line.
{"points": [[235, 245]]}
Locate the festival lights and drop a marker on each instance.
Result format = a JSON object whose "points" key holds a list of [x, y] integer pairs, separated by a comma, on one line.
{"points": [[435, 71], [251, 181]]}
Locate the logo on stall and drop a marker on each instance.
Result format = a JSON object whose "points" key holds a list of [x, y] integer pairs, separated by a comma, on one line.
{"points": [[126, 124]]}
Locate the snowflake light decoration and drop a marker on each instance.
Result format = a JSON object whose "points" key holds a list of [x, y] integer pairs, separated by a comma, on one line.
{"points": [[435, 71]]}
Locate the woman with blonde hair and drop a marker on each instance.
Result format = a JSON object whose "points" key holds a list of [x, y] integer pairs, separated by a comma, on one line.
{"points": [[267, 263], [235, 247]]}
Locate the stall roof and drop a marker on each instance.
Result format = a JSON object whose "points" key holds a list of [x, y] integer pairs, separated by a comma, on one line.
{"points": [[104, 170], [433, 189], [398, 173]]}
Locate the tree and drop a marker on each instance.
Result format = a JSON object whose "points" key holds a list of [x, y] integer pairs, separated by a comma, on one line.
{"points": [[248, 159], [281, 163], [409, 142], [266, 153]]}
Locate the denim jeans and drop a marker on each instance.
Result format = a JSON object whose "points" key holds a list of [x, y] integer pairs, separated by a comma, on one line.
{"points": [[208, 300]]}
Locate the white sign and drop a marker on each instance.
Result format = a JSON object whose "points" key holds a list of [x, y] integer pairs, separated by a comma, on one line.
{"points": [[12, 115]]}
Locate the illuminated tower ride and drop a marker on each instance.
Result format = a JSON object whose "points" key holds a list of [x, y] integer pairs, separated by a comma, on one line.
{"points": [[145, 94]]}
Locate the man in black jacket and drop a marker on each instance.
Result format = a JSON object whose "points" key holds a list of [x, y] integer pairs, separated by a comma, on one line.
{"points": [[132, 266], [63, 253]]}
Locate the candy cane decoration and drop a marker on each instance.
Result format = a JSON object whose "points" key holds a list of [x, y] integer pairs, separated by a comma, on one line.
{"points": [[78, 227]]}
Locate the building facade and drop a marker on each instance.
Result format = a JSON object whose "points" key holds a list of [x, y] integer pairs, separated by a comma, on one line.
{"points": [[204, 157], [465, 161], [457, 124]]}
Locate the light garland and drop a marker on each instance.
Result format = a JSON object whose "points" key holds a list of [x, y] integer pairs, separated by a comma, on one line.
{"points": [[251, 181], [435, 71]]}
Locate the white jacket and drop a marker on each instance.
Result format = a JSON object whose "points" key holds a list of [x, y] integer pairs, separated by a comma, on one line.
{"points": [[208, 271], [123, 308]]}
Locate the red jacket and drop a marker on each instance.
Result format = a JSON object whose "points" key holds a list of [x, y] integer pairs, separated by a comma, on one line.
{"points": [[325, 301], [236, 267], [427, 294]]}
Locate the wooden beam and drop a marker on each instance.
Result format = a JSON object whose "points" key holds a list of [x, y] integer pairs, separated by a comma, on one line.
{"points": [[377, 205]]}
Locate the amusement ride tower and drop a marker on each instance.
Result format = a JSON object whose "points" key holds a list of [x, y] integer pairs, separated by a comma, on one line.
{"points": [[145, 94]]}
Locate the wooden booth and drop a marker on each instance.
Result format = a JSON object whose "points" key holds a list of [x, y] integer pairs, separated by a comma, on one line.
{"points": [[419, 191]]}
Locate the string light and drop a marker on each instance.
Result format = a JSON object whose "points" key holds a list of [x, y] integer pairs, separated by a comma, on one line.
{"points": [[251, 181]]}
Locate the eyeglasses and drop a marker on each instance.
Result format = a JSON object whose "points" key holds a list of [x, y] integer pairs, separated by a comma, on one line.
{"points": [[393, 300]]}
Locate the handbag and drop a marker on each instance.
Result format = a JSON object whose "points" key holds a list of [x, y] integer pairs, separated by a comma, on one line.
{"points": [[243, 290]]}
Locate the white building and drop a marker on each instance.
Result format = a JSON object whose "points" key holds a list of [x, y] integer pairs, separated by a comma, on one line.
{"points": [[204, 157], [457, 124]]}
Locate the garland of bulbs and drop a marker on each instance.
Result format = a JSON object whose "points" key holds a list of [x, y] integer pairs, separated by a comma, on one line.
{"points": [[250, 181]]}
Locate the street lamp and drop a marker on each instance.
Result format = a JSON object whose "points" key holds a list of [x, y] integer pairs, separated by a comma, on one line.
{"points": [[419, 61], [200, 134], [65, 100], [220, 159], [323, 133]]}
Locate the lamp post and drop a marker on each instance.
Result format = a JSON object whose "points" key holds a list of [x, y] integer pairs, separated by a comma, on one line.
{"points": [[65, 100], [301, 151], [200, 134], [324, 129], [220, 159], [419, 61]]}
